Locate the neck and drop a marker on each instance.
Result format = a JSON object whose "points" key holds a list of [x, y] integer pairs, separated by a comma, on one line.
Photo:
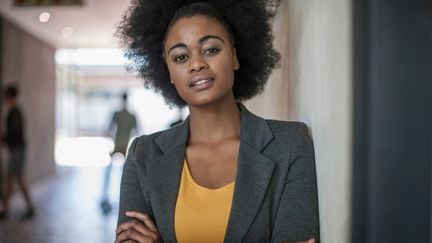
{"points": [[214, 123]]}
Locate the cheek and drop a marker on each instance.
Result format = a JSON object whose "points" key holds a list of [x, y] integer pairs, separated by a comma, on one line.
{"points": [[177, 77], [228, 70], [175, 73]]}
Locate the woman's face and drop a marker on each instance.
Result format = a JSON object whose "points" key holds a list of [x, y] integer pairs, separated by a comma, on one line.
{"points": [[201, 60]]}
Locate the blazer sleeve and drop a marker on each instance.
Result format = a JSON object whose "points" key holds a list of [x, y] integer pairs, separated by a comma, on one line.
{"points": [[132, 189], [297, 215]]}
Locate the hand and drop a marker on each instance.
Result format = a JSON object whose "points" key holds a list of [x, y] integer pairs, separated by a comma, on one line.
{"points": [[141, 229], [307, 241]]}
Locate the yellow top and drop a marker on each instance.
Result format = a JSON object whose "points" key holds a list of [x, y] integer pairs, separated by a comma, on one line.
{"points": [[201, 214]]}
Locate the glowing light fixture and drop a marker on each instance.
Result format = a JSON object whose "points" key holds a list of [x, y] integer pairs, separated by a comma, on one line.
{"points": [[67, 32], [44, 17]]}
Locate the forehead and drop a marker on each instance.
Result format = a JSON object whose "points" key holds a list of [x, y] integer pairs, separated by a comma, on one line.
{"points": [[188, 29]]}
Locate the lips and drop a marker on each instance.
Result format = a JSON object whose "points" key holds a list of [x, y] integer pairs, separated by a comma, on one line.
{"points": [[201, 82]]}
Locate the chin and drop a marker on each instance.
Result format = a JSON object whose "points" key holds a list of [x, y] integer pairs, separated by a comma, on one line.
{"points": [[201, 102], [209, 98]]}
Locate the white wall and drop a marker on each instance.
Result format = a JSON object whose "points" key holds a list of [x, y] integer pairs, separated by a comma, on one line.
{"points": [[29, 62], [314, 86]]}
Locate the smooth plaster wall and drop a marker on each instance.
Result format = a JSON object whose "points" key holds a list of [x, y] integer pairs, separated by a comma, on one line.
{"points": [[29, 62], [314, 85]]}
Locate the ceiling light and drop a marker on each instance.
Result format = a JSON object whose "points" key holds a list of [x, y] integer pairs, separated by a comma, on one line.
{"points": [[67, 32], [44, 17]]}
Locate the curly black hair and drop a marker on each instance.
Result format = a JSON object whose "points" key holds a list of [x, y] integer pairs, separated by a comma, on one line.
{"points": [[144, 26]]}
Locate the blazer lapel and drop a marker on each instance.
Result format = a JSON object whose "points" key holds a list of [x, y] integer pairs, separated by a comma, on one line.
{"points": [[164, 173], [254, 172]]}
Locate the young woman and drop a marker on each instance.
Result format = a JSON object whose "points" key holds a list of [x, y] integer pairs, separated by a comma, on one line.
{"points": [[223, 175]]}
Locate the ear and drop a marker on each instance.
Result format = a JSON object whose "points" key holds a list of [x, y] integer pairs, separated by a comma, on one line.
{"points": [[171, 80], [236, 64]]}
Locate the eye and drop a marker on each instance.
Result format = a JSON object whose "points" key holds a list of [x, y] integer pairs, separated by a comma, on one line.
{"points": [[180, 58], [211, 51]]}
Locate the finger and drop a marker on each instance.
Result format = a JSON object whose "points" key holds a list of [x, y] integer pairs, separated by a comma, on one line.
{"points": [[138, 226], [124, 226], [145, 218], [128, 224], [131, 235]]}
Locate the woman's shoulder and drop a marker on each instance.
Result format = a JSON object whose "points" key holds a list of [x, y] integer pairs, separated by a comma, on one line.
{"points": [[277, 132], [286, 124], [159, 140], [284, 128], [289, 135], [145, 140]]}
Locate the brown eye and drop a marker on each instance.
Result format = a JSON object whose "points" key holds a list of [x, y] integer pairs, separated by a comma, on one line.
{"points": [[211, 51], [180, 58]]}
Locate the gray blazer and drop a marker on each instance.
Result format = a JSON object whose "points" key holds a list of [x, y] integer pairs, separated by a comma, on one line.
{"points": [[275, 195]]}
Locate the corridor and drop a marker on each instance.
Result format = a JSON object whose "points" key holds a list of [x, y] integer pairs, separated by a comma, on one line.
{"points": [[67, 209]]}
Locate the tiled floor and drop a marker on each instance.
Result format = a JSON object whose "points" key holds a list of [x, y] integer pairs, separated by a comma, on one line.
{"points": [[68, 209]]}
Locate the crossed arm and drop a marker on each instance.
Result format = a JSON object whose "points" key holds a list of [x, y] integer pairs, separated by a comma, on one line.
{"points": [[142, 229]]}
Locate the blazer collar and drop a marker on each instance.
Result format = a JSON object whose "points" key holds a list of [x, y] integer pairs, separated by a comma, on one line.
{"points": [[176, 136], [253, 131], [254, 171]]}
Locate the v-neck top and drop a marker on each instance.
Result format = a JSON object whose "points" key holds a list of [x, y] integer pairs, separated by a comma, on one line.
{"points": [[201, 214]]}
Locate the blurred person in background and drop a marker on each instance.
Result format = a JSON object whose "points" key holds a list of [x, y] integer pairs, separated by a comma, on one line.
{"points": [[124, 124], [15, 142]]}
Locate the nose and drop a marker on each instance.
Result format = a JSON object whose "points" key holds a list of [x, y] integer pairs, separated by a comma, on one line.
{"points": [[197, 64]]}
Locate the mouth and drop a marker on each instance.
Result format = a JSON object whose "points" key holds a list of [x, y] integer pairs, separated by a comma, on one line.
{"points": [[201, 82]]}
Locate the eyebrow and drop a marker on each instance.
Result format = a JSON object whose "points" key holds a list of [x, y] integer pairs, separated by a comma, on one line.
{"points": [[201, 40]]}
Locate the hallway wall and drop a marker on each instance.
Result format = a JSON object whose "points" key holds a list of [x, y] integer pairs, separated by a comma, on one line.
{"points": [[314, 85], [29, 62]]}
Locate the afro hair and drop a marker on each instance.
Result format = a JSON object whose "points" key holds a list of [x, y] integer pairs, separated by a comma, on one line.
{"points": [[144, 26]]}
